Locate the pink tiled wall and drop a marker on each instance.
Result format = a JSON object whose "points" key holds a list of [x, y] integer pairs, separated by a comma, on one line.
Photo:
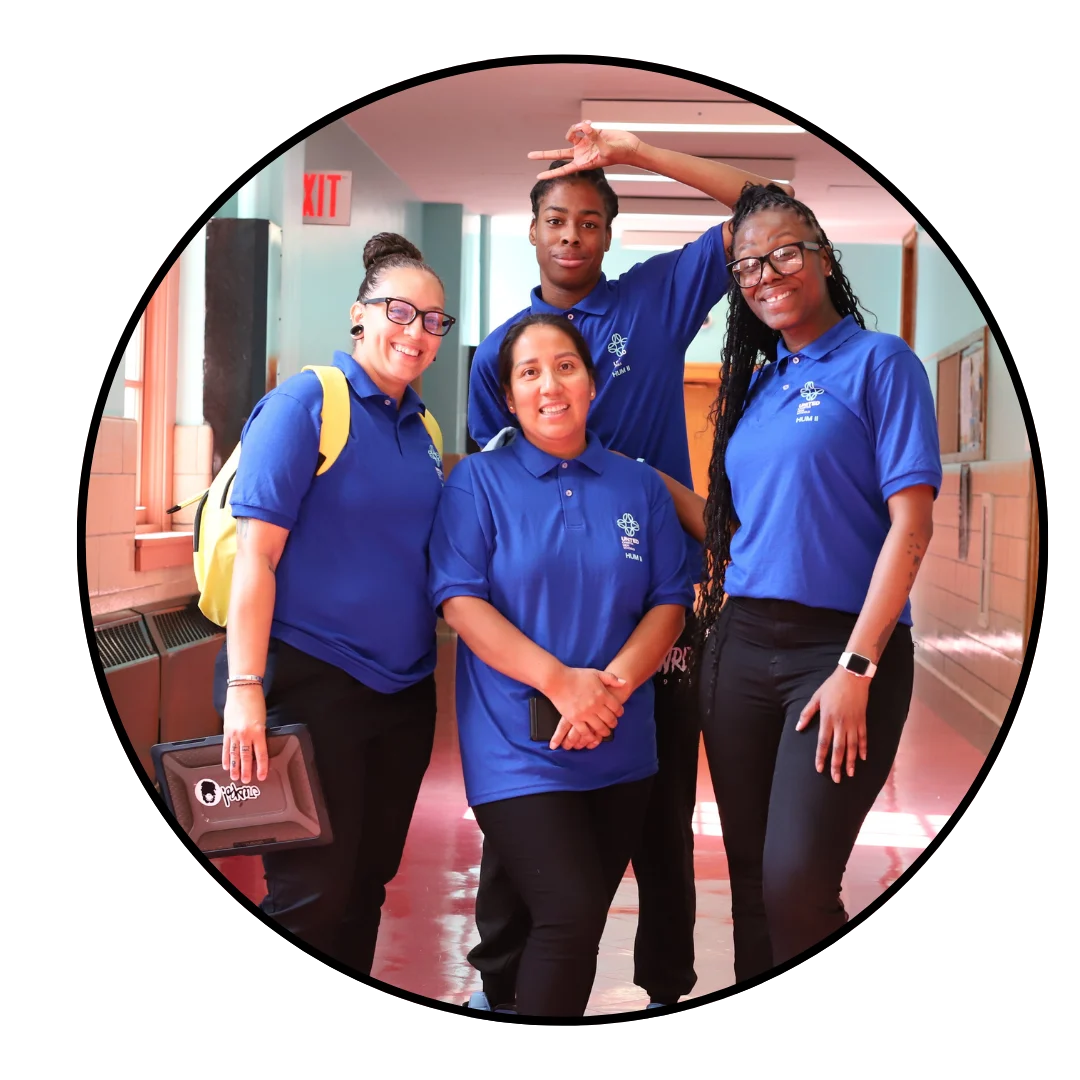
{"points": [[111, 578], [983, 662], [193, 447]]}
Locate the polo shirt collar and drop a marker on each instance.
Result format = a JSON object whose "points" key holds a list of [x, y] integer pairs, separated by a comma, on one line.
{"points": [[596, 303], [539, 462], [819, 348], [363, 387]]}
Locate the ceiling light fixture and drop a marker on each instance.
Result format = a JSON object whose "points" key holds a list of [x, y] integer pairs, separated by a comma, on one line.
{"points": [[720, 117], [781, 170], [718, 129], [656, 239], [654, 178]]}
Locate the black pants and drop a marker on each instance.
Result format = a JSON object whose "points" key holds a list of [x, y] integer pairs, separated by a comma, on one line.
{"points": [[371, 752], [789, 830], [663, 862], [565, 853]]}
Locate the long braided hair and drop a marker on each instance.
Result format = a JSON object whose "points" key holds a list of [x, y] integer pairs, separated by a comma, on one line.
{"points": [[748, 344]]}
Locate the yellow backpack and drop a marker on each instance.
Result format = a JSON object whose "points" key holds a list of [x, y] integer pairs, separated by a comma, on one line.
{"points": [[214, 537]]}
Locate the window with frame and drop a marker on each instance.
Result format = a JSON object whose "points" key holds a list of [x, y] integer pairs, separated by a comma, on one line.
{"points": [[150, 374], [133, 394]]}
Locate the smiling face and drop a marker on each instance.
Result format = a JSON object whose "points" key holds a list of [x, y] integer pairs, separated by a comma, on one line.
{"points": [[550, 390], [571, 233], [798, 305], [392, 354]]}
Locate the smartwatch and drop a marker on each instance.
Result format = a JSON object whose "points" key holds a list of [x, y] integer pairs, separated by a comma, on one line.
{"points": [[858, 665]]}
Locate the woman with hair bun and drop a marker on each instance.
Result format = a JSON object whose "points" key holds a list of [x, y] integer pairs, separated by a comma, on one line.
{"points": [[329, 619]]}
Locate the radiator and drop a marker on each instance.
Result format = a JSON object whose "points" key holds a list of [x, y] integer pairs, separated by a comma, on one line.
{"points": [[133, 673]]}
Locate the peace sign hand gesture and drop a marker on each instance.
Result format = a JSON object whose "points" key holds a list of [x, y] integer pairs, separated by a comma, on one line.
{"points": [[590, 149]]}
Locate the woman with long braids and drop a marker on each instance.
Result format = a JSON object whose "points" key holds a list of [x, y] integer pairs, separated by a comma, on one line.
{"points": [[824, 470]]}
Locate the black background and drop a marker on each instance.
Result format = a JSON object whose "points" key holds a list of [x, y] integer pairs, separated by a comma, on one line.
{"points": [[958, 941]]}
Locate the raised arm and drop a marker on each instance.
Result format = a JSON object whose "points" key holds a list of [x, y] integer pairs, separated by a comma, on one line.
{"points": [[593, 149]]}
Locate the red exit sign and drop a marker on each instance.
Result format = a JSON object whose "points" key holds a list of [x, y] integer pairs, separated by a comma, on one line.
{"points": [[327, 197]]}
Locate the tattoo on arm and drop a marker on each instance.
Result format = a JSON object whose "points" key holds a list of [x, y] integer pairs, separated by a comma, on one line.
{"points": [[886, 633], [915, 549], [243, 527]]}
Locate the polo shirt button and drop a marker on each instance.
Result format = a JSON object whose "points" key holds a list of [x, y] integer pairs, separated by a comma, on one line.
{"points": [[387, 401], [564, 465], [794, 359], [571, 316], [569, 492]]}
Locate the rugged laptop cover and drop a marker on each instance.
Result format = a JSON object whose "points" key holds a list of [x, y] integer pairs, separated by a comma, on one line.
{"points": [[226, 818]]}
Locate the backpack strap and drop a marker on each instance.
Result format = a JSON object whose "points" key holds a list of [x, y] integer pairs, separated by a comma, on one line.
{"points": [[336, 414], [433, 429]]}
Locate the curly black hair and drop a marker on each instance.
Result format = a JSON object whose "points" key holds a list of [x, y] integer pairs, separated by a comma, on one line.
{"points": [[595, 177]]}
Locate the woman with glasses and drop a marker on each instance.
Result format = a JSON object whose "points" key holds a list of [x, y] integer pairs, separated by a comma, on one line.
{"points": [[329, 619], [563, 569], [824, 470]]}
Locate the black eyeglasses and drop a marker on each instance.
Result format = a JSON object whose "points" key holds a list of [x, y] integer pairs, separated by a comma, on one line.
{"points": [[787, 259], [403, 313]]}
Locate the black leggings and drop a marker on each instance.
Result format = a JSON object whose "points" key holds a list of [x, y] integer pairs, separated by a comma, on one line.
{"points": [[565, 853], [789, 830], [663, 861], [371, 752]]}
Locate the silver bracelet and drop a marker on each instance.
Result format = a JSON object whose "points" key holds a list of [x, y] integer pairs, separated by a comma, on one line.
{"points": [[244, 680]]}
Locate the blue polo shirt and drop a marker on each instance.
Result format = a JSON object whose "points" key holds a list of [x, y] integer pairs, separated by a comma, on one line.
{"points": [[352, 579], [828, 435], [573, 553], [638, 328]]}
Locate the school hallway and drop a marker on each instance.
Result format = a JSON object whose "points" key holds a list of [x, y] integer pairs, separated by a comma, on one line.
{"points": [[428, 928]]}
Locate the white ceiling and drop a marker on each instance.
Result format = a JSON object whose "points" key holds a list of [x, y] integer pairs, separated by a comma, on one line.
{"points": [[465, 138]]}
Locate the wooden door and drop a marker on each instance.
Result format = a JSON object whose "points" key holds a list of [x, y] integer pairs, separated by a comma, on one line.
{"points": [[700, 384]]}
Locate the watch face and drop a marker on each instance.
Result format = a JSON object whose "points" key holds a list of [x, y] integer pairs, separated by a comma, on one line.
{"points": [[859, 665]]}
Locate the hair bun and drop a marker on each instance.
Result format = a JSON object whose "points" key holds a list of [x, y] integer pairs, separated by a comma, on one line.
{"points": [[383, 245]]}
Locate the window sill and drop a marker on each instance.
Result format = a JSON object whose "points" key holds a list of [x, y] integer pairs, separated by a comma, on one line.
{"points": [[160, 550]]}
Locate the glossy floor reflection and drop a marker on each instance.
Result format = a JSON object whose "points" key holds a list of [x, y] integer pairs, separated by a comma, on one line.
{"points": [[428, 928]]}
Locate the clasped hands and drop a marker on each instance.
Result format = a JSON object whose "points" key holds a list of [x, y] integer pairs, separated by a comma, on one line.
{"points": [[590, 703]]}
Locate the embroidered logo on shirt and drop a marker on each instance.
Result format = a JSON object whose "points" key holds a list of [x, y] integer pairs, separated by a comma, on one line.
{"points": [[810, 394], [434, 455], [617, 346], [629, 543]]}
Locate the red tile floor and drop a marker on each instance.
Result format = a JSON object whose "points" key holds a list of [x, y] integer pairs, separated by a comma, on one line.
{"points": [[427, 926]]}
